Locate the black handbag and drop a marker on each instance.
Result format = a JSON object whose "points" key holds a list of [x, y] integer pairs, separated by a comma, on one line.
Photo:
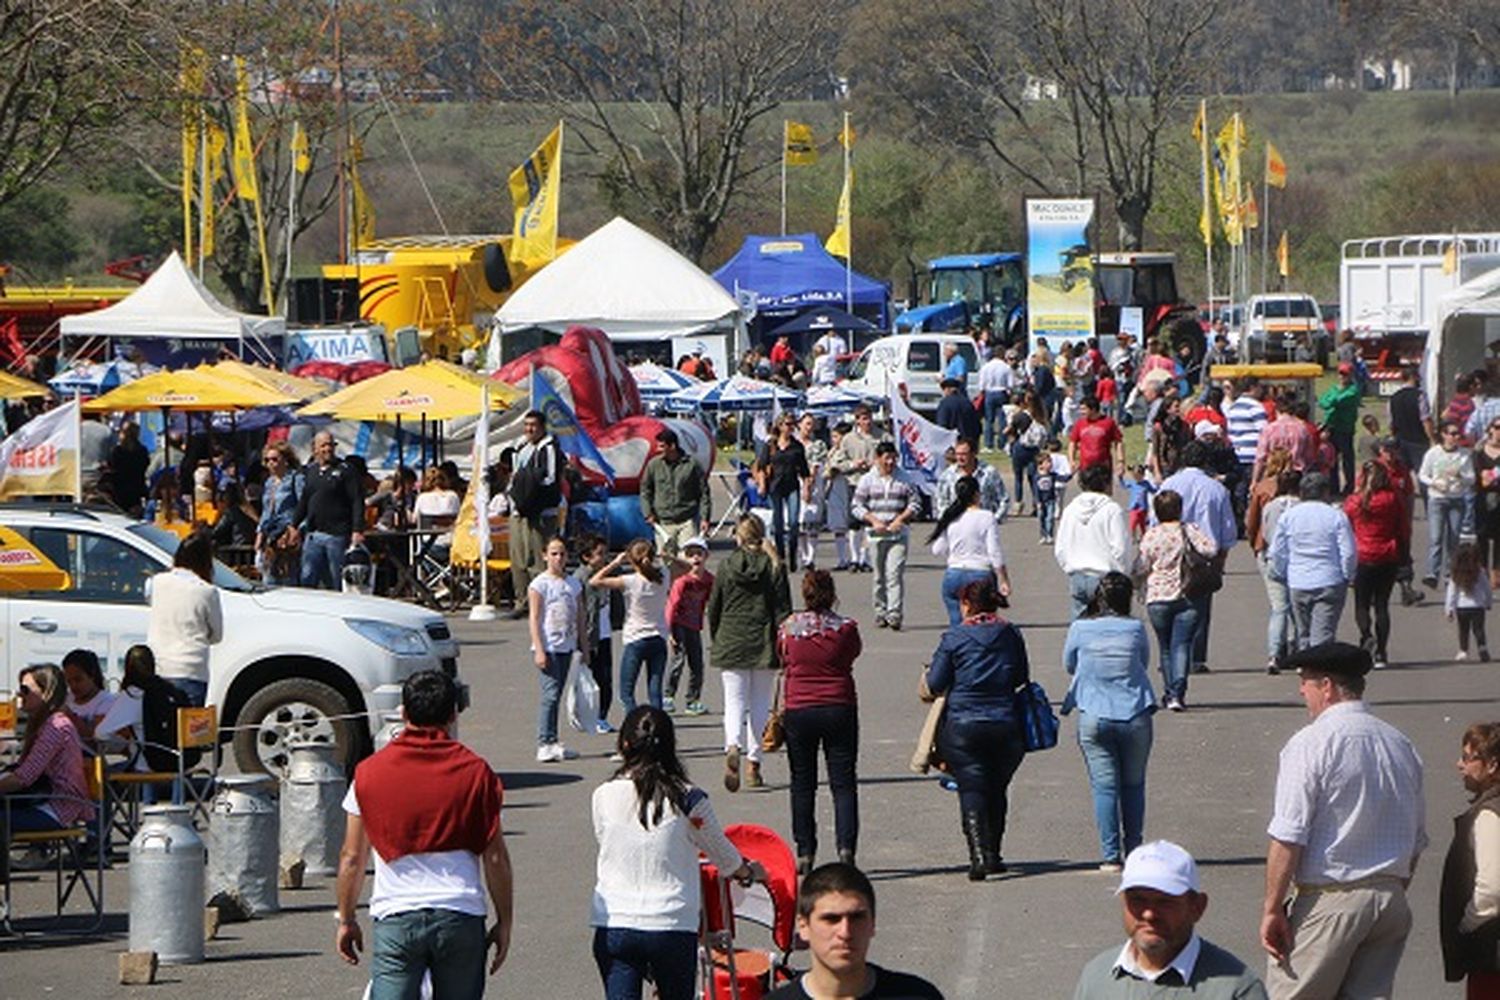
{"points": [[1201, 575]]}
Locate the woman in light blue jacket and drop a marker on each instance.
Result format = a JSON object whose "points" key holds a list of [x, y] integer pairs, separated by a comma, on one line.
{"points": [[1108, 655]]}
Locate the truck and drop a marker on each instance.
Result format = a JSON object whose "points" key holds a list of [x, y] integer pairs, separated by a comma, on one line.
{"points": [[1285, 326], [1390, 288]]}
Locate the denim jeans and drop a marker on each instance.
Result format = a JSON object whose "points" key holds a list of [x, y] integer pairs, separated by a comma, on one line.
{"points": [[1200, 631], [448, 944], [323, 560], [1281, 635], [1023, 465], [1316, 613], [1047, 516], [1115, 754], [1343, 443], [953, 582], [994, 417], [553, 678], [1081, 588], [196, 692], [889, 576], [626, 956], [1174, 623], [690, 653], [1445, 520], [653, 650], [786, 513], [836, 728], [983, 757]]}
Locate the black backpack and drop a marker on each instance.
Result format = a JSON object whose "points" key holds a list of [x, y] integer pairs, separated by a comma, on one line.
{"points": [[160, 700], [530, 493]]}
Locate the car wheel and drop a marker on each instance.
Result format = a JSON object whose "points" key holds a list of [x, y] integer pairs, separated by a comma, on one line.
{"points": [[289, 711]]}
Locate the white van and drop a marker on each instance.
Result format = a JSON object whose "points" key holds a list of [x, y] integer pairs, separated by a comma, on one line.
{"points": [[914, 360], [1284, 326]]}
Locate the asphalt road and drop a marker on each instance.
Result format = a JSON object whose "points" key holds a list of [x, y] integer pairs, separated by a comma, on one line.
{"points": [[1025, 934]]}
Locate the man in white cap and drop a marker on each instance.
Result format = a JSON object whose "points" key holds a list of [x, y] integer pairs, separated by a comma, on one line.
{"points": [[1164, 956]]}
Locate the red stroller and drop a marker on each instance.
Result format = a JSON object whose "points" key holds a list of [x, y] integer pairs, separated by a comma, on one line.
{"points": [[730, 972]]}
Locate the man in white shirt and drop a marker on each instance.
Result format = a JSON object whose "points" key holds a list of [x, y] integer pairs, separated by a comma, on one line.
{"points": [[1093, 538], [1346, 832], [997, 380], [833, 344]]}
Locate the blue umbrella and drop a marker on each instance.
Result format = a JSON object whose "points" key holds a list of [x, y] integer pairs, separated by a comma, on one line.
{"points": [[821, 320], [830, 399], [734, 393], [89, 378], [655, 382]]}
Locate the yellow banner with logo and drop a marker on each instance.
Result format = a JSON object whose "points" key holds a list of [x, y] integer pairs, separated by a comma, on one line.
{"points": [[534, 189], [801, 150]]}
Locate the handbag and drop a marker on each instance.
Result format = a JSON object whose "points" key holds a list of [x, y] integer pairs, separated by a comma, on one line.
{"points": [[1039, 723], [926, 757], [1201, 575], [773, 737]]}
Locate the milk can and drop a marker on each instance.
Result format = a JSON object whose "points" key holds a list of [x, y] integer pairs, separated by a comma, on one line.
{"points": [[312, 808], [244, 842], [166, 885], [391, 725]]}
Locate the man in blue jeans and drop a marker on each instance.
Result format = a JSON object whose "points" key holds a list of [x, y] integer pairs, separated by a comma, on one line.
{"points": [[1313, 553], [330, 514], [430, 809]]}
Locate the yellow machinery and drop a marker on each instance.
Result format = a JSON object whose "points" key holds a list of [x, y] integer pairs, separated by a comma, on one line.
{"points": [[1300, 377], [448, 287]]}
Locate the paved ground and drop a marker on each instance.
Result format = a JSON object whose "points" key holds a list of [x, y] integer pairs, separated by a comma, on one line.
{"points": [[1209, 787]]}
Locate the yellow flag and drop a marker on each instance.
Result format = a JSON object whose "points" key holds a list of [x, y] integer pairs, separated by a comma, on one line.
{"points": [[1450, 258], [838, 241], [213, 173], [846, 134], [301, 159], [193, 72], [245, 181], [534, 189], [364, 212], [801, 150], [1283, 258], [1252, 210], [1230, 140], [1275, 167], [1200, 136]]}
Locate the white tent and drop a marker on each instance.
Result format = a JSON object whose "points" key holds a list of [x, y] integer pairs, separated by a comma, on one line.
{"points": [[627, 283], [172, 303], [1465, 334]]}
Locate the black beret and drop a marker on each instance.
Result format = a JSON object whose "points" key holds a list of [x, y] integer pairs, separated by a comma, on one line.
{"points": [[1340, 659]]}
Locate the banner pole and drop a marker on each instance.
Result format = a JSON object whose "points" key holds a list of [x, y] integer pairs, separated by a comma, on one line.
{"points": [[78, 457], [785, 126], [1265, 223], [1208, 239], [849, 222], [484, 611]]}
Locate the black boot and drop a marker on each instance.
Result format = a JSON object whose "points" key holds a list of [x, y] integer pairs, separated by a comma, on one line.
{"points": [[974, 825]]}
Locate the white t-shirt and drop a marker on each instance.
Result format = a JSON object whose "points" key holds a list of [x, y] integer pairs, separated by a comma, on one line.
{"points": [[971, 542], [121, 725], [645, 607], [186, 618], [437, 503], [499, 506], [559, 596], [95, 708], [437, 880]]}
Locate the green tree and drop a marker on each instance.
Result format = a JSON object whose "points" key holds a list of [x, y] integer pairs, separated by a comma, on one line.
{"points": [[37, 234]]}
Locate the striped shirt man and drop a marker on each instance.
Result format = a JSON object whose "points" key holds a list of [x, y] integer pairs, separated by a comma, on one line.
{"points": [[1246, 418]]}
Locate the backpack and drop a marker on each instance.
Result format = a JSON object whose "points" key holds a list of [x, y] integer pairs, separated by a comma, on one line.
{"points": [[160, 700], [530, 493]]}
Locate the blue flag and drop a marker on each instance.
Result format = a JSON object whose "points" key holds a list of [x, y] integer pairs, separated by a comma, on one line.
{"points": [[563, 425]]}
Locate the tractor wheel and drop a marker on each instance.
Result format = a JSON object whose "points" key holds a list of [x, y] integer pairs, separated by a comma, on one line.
{"points": [[1185, 330]]}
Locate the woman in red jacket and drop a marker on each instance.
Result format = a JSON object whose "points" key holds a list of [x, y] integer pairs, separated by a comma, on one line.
{"points": [[1381, 534], [818, 649]]}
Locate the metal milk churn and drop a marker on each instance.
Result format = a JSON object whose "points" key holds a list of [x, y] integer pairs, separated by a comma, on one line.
{"points": [[244, 839], [312, 808], [391, 725], [166, 885]]}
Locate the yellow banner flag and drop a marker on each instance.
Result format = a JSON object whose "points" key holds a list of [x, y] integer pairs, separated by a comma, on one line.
{"points": [[301, 158], [213, 173], [41, 457], [191, 80], [800, 148], [245, 181], [1283, 258], [534, 189], [1227, 145], [846, 134], [1275, 167], [364, 212], [1450, 259], [1200, 136], [838, 241], [1251, 216]]}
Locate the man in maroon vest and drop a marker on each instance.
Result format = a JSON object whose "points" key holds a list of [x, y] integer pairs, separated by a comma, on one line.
{"points": [[430, 809]]}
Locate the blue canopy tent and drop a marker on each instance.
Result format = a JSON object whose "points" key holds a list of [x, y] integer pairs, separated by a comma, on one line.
{"points": [[791, 273]]}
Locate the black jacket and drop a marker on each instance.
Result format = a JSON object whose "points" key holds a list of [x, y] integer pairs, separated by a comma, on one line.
{"points": [[1478, 950]]}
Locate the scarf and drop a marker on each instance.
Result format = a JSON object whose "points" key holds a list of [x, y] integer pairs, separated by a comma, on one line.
{"points": [[427, 792]]}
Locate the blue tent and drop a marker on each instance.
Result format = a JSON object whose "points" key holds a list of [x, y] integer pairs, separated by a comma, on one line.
{"points": [[791, 273]]}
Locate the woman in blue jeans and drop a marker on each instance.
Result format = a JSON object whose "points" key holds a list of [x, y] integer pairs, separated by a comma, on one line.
{"points": [[1173, 615], [1028, 432], [979, 664], [651, 824], [644, 636], [785, 478], [968, 537], [1108, 655]]}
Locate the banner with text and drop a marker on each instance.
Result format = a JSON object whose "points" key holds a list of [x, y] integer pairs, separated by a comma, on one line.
{"points": [[1060, 269], [41, 458], [920, 444]]}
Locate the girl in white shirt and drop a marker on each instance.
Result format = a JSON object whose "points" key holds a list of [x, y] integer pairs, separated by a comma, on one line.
{"points": [[969, 537], [644, 636], [651, 823], [186, 617], [88, 701], [555, 600]]}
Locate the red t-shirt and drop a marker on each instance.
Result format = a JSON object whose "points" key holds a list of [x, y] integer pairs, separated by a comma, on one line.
{"points": [[1094, 439], [1105, 391], [781, 353], [1205, 412]]}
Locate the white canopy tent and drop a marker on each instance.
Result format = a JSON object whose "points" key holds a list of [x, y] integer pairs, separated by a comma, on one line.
{"points": [[627, 283], [1465, 335], [173, 303]]}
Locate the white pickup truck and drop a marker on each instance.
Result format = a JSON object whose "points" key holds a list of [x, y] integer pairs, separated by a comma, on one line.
{"points": [[294, 663]]}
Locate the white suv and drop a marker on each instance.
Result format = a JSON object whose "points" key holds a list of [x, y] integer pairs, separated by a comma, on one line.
{"points": [[294, 663]]}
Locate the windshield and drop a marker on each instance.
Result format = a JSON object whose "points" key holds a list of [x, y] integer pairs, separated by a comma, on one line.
{"points": [[1114, 285], [857, 370], [1007, 286], [224, 577], [1289, 308], [957, 286]]}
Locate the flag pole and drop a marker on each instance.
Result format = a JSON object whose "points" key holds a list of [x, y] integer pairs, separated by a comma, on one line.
{"points": [[78, 455], [1265, 232], [1208, 237], [849, 222], [291, 217], [204, 194], [484, 611], [785, 128]]}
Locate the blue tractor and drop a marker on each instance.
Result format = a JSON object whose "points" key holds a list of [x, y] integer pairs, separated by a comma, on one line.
{"points": [[957, 292]]}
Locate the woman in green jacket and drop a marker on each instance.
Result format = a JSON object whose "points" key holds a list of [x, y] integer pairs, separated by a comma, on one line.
{"points": [[749, 599]]}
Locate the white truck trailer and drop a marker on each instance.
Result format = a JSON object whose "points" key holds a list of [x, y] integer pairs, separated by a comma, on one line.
{"points": [[1390, 288]]}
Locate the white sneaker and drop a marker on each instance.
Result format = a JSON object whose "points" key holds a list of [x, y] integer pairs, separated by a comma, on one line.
{"points": [[1380, 664], [1463, 654], [544, 753], [563, 753]]}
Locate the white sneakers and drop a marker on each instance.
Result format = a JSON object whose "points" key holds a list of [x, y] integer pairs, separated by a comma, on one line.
{"points": [[554, 753]]}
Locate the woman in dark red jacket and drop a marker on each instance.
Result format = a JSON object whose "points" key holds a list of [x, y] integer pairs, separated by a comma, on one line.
{"points": [[1381, 535], [818, 649]]}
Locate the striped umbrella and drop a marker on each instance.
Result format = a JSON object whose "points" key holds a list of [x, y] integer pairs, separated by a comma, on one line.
{"points": [[734, 393], [655, 382], [830, 399]]}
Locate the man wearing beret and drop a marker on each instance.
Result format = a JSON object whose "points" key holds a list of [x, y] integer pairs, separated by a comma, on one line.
{"points": [[1345, 837]]}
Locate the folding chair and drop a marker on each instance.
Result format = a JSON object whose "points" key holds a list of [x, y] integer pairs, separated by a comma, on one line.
{"points": [[197, 729], [73, 866], [438, 581]]}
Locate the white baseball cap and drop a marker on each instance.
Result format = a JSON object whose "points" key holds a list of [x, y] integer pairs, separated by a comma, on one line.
{"points": [[1160, 865], [1206, 428], [697, 541]]}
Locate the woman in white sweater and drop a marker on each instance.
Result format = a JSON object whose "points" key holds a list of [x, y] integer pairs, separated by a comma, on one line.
{"points": [[968, 536], [651, 823], [186, 618]]}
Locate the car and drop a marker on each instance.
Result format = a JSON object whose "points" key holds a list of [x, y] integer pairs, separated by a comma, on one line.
{"points": [[1285, 326], [294, 663], [914, 360]]}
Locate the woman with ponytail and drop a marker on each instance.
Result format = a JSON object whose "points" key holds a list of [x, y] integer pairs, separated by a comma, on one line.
{"points": [[1382, 532], [651, 823], [969, 537]]}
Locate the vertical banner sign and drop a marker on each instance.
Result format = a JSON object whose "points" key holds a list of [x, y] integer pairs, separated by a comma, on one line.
{"points": [[534, 191], [41, 458], [1060, 269], [920, 444]]}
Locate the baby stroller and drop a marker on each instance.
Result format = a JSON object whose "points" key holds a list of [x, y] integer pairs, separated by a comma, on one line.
{"points": [[734, 973]]}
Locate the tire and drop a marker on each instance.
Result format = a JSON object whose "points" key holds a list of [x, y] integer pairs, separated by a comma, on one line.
{"points": [[290, 708], [1185, 330]]}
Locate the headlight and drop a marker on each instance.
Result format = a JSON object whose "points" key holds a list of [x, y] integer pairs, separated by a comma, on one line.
{"points": [[396, 639]]}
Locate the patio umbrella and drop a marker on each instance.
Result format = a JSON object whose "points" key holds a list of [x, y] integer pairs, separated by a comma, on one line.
{"points": [[822, 320], [835, 399], [463, 378], [187, 389], [23, 567], [734, 393], [89, 378], [16, 387], [418, 391], [656, 382], [270, 378]]}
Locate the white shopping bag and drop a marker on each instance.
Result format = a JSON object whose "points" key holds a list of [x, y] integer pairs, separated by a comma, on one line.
{"points": [[581, 696]]}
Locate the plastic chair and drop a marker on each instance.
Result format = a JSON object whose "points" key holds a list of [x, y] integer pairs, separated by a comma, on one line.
{"points": [[197, 729]]}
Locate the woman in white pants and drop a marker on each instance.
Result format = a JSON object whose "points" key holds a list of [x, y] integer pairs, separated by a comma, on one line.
{"points": [[749, 599]]}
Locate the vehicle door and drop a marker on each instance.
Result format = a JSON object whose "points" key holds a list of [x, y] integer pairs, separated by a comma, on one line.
{"points": [[104, 609]]}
